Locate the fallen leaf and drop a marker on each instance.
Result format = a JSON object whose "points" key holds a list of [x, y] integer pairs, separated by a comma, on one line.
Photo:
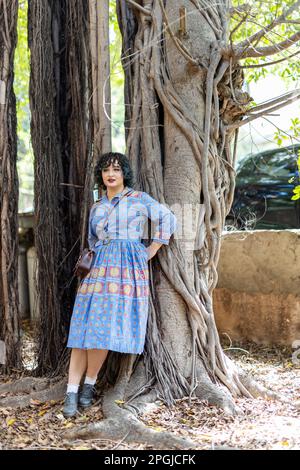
{"points": [[156, 428], [35, 402], [69, 425], [285, 443], [10, 421], [60, 416]]}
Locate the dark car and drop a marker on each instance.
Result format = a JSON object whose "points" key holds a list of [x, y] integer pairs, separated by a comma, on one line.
{"points": [[263, 191]]}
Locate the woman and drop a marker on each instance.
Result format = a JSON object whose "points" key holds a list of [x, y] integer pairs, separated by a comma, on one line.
{"points": [[111, 306]]}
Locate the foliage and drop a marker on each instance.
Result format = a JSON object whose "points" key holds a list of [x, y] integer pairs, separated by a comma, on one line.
{"points": [[117, 82], [21, 88], [281, 137], [296, 178], [257, 17], [261, 13]]}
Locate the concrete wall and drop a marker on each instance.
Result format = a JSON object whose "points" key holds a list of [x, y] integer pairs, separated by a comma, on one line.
{"points": [[258, 293]]}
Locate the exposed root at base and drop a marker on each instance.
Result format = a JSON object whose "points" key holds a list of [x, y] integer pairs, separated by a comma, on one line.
{"points": [[25, 385], [130, 430], [217, 396], [257, 390], [46, 390]]}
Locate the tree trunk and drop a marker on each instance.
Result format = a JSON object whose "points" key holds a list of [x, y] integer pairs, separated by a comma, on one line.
{"points": [[182, 91], [100, 56], [9, 192], [184, 100], [61, 139], [176, 82]]}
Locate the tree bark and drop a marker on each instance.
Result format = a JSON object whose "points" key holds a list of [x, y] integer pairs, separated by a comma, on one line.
{"points": [[61, 139], [99, 46], [9, 192], [181, 100]]}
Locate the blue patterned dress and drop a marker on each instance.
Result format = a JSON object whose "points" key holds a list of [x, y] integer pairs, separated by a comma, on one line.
{"points": [[111, 305]]}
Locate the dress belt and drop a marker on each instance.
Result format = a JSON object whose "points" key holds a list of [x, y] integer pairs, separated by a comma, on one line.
{"points": [[106, 241]]}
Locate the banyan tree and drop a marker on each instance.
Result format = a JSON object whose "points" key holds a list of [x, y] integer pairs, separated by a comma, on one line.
{"points": [[10, 350], [60, 81], [184, 103]]}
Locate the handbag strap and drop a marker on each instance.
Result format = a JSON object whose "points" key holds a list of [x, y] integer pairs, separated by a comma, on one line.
{"points": [[112, 208]]}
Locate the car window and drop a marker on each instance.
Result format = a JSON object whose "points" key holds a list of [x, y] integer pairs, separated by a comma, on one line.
{"points": [[278, 164], [247, 165]]}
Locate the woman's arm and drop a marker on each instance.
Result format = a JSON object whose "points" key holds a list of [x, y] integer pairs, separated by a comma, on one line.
{"points": [[164, 220], [152, 249]]}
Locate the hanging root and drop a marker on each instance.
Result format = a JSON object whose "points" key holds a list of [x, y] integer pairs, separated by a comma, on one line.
{"points": [[217, 380], [209, 140]]}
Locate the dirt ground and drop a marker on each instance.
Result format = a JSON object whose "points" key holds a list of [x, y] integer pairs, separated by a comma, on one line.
{"points": [[262, 424]]}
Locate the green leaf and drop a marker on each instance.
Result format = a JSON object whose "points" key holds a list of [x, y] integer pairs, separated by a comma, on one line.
{"points": [[297, 189]]}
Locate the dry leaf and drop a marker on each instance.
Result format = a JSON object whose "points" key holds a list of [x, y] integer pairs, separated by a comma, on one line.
{"points": [[69, 425], [10, 421], [35, 402], [119, 402]]}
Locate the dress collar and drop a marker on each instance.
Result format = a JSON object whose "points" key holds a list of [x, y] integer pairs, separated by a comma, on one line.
{"points": [[118, 195]]}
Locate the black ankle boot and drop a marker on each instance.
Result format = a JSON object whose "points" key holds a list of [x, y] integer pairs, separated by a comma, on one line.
{"points": [[86, 395], [70, 405]]}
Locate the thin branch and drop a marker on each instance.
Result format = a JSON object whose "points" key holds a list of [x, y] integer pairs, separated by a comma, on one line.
{"points": [[281, 130], [268, 50], [272, 102], [234, 30], [274, 62], [245, 8], [277, 21], [272, 41], [262, 113], [73, 185], [236, 138], [291, 22], [278, 36], [140, 8]]}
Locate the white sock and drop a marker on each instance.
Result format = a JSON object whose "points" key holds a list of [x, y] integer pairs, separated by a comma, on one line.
{"points": [[89, 380], [72, 388]]}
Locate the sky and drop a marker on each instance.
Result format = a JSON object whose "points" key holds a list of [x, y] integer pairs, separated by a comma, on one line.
{"points": [[259, 134]]}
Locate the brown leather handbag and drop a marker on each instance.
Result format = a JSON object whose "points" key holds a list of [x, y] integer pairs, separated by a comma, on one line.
{"points": [[84, 263]]}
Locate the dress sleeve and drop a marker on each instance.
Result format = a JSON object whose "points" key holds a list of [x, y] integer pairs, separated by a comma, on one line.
{"points": [[165, 222], [92, 239]]}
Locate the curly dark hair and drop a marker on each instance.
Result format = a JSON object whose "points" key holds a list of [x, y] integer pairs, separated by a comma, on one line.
{"points": [[105, 160]]}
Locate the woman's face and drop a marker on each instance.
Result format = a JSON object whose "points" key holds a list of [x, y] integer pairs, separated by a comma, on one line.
{"points": [[112, 175]]}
